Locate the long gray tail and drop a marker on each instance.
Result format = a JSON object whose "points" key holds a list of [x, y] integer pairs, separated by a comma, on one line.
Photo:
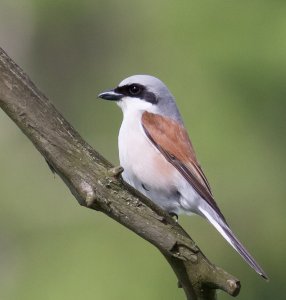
{"points": [[226, 232]]}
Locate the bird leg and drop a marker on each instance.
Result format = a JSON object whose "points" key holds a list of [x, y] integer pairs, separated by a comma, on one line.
{"points": [[115, 171], [174, 216]]}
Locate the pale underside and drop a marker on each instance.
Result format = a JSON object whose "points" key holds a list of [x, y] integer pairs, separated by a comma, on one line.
{"points": [[148, 171]]}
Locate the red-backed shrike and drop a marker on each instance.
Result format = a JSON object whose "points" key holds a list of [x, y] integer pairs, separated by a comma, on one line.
{"points": [[158, 157]]}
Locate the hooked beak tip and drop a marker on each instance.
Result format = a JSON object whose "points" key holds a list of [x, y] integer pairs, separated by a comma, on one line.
{"points": [[110, 95], [101, 95]]}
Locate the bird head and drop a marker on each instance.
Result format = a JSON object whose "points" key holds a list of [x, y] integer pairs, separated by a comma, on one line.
{"points": [[143, 93]]}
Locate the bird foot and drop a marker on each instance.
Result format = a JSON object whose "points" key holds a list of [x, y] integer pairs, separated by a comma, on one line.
{"points": [[174, 216], [115, 171]]}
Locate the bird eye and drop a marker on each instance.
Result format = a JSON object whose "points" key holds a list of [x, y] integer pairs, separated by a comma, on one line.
{"points": [[134, 89]]}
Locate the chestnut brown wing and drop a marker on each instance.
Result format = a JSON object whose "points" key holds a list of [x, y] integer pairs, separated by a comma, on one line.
{"points": [[172, 140]]}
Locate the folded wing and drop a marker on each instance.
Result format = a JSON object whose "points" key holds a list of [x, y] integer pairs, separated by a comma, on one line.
{"points": [[172, 140]]}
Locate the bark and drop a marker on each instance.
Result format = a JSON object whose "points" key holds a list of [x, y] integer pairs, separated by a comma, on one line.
{"points": [[96, 184]]}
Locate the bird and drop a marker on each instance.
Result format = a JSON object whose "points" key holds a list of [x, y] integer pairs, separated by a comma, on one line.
{"points": [[158, 157]]}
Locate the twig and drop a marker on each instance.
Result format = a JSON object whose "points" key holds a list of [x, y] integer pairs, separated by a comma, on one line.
{"points": [[95, 184]]}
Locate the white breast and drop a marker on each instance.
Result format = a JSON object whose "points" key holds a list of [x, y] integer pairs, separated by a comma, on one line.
{"points": [[144, 164], [146, 169]]}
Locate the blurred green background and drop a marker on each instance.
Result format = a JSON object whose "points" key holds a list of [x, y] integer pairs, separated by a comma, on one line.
{"points": [[225, 62]]}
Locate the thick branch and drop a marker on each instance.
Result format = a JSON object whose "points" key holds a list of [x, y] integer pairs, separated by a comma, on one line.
{"points": [[88, 176]]}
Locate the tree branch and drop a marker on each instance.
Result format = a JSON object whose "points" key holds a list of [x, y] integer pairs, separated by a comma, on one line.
{"points": [[95, 185]]}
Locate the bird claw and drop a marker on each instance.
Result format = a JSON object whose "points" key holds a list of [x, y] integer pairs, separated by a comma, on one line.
{"points": [[174, 216], [115, 171]]}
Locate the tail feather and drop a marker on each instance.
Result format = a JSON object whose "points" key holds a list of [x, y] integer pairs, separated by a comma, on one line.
{"points": [[226, 232]]}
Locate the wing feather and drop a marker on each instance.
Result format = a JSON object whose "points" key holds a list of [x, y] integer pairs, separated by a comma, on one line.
{"points": [[172, 140]]}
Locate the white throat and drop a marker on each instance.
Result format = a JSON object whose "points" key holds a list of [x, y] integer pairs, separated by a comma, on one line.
{"points": [[134, 106]]}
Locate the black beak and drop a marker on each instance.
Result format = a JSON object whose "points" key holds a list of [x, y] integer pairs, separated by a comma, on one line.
{"points": [[110, 95]]}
